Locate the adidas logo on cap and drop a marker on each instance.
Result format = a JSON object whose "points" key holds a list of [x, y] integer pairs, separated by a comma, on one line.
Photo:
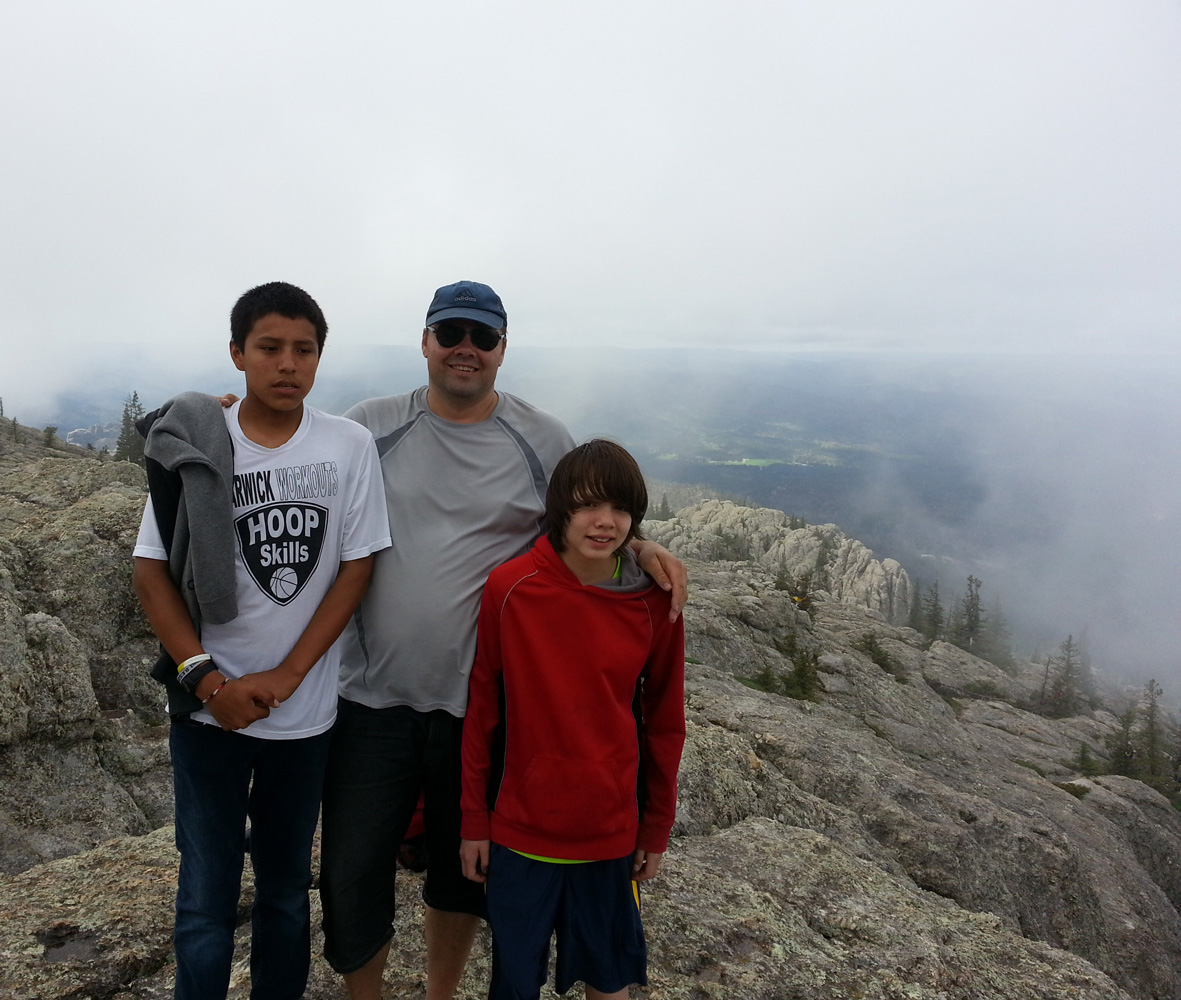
{"points": [[467, 300]]}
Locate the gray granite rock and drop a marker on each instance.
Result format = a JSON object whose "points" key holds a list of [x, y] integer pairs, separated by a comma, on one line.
{"points": [[721, 530], [70, 629], [912, 832]]}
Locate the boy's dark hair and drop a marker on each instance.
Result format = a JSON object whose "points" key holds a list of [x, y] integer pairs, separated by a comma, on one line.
{"points": [[594, 472], [275, 297]]}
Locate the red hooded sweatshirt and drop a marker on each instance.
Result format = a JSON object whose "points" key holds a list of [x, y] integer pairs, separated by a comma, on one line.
{"points": [[583, 687]]}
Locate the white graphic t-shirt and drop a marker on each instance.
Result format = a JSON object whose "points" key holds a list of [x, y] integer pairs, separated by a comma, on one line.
{"points": [[299, 511]]}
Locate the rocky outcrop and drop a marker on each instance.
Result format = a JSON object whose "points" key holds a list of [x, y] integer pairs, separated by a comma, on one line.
{"points": [[76, 768], [911, 832], [67, 527], [970, 799], [820, 554], [761, 910]]}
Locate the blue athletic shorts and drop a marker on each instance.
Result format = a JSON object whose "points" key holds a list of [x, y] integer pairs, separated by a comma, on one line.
{"points": [[594, 908]]}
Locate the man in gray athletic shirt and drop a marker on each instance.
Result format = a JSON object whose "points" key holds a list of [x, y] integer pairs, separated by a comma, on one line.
{"points": [[465, 470]]}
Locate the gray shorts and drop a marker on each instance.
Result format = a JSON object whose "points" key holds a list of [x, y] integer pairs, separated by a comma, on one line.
{"points": [[381, 759]]}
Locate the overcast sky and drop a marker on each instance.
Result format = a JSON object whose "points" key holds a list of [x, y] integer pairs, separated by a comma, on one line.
{"points": [[894, 175], [839, 174]]}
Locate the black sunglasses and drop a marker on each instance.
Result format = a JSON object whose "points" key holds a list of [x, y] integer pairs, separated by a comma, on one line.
{"points": [[484, 338]]}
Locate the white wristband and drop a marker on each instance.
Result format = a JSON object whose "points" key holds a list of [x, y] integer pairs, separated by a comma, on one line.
{"points": [[186, 666]]}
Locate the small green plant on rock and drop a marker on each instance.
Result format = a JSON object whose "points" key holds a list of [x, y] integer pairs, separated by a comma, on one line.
{"points": [[984, 688], [1030, 765], [1078, 791], [953, 702], [765, 680], [869, 645], [1085, 763], [731, 546], [803, 680]]}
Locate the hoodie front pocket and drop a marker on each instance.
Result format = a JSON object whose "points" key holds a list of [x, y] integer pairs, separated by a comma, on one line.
{"points": [[572, 799]]}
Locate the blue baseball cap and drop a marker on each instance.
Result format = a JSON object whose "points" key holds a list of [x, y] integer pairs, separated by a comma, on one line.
{"points": [[467, 300]]}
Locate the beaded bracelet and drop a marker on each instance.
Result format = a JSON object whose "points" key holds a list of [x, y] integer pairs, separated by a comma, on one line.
{"points": [[208, 698]]}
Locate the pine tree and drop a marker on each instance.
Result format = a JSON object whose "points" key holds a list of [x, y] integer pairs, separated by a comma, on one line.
{"points": [[764, 680], [50, 438], [130, 446], [969, 618], [994, 638], [1175, 747], [914, 617], [1043, 694], [1121, 746], [126, 431], [933, 614], [824, 552], [1085, 762], [954, 628], [1067, 689], [1156, 763], [15, 430], [1087, 684], [803, 680], [663, 512]]}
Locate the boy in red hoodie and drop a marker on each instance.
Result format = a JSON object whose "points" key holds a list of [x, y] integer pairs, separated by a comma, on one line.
{"points": [[573, 734]]}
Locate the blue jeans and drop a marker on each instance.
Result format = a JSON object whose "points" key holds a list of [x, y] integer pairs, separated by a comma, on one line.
{"points": [[220, 780]]}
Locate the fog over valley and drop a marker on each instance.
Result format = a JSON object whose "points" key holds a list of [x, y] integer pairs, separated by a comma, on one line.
{"points": [[1052, 479], [907, 267]]}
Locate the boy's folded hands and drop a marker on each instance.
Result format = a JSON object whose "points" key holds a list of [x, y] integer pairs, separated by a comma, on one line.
{"points": [[243, 701]]}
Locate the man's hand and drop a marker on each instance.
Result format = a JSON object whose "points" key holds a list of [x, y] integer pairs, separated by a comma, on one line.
{"points": [[228, 400], [645, 864], [667, 570], [239, 702], [473, 857]]}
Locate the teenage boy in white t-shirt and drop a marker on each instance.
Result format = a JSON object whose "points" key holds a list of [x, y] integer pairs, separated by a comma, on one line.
{"points": [[255, 548]]}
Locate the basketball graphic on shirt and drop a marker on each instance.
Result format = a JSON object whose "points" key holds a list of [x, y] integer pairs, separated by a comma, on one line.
{"points": [[284, 583], [281, 544]]}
